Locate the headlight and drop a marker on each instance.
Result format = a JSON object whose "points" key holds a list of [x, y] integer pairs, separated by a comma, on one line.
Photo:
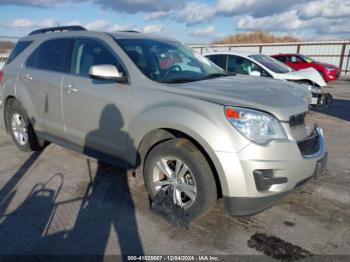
{"points": [[257, 126], [314, 89], [311, 88]]}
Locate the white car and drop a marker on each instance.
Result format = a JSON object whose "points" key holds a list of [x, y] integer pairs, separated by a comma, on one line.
{"points": [[255, 64]]}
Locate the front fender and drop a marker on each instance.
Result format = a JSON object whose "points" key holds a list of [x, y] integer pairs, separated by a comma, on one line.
{"points": [[214, 134]]}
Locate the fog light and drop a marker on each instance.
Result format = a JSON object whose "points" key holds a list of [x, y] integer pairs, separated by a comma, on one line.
{"points": [[264, 179]]}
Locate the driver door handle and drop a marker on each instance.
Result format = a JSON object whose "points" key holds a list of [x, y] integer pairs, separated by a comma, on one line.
{"points": [[70, 89]]}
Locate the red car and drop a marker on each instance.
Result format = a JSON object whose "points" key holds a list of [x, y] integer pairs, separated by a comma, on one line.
{"points": [[296, 61]]}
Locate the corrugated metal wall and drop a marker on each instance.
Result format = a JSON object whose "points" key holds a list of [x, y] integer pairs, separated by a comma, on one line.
{"points": [[333, 52]]}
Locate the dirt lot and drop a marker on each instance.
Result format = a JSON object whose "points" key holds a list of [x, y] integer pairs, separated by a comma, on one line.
{"points": [[61, 202]]}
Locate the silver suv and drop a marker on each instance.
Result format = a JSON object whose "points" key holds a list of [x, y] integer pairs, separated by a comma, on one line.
{"points": [[156, 107]]}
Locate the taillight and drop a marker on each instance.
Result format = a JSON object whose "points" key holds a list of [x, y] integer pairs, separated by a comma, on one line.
{"points": [[1, 75]]}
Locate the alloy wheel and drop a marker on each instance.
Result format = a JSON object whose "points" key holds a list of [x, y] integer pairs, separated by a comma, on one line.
{"points": [[172, 172], [19, 129]]}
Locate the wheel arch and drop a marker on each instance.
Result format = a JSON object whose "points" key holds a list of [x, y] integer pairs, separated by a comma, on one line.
{"points": [[34, 143], [6, 102], [157, 136]]}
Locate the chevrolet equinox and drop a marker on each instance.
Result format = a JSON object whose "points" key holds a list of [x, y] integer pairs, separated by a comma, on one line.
{"points": [[164, 112]]}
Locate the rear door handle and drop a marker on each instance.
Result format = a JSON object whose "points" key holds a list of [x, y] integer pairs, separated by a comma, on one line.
{"points": [[28, 77], [70, 89]]}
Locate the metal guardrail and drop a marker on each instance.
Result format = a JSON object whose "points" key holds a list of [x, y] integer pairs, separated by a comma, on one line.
{"points": [[332, 52], [4, 55]]}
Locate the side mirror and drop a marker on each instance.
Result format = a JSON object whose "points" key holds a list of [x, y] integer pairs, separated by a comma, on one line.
{"points": [[107, 72], [255, 73]]}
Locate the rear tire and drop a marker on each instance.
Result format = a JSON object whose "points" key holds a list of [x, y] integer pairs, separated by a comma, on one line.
{"points": [[192, 177], [20, 127]]}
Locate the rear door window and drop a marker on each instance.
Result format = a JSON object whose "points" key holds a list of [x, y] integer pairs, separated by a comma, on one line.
{"points": [[219, 60], [52, 55], [19, 48], [280, 58]]}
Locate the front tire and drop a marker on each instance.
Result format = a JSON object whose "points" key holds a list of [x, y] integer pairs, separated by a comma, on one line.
{"points": [[20, 127], [177, 163]]}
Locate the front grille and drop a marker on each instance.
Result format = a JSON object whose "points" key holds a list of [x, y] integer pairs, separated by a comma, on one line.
{"points": [[310, 145], [297, 120]]}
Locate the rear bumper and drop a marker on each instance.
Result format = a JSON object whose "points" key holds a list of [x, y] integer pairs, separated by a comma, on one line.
{"points": [[1, 102]]}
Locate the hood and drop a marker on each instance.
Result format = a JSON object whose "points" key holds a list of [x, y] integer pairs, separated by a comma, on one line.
{"points": [[309, 73], [277, 97], [325, 64]]}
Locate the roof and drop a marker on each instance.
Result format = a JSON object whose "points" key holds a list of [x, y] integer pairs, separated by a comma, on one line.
{"points": [[127, 35], [47, 33], [233, 52], [285, 54]]}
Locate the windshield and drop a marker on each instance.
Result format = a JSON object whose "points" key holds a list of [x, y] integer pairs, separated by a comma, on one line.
{"points": [[170, 62], [272, 64], [307, 59]]}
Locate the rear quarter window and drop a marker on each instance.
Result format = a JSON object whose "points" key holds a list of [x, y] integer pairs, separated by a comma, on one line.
{"points": [[19, 48], [52, 55]]}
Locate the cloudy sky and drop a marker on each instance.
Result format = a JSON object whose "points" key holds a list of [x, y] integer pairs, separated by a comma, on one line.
{"points": [[190, 21]]}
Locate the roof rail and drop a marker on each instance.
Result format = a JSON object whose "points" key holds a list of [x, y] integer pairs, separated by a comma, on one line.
{"points": [[58, 28], [129, 31]]}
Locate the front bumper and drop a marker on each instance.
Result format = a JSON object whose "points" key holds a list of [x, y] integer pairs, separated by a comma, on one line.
{"points": [[331, 75], [247, 206], [321, 100], [283, 158]]}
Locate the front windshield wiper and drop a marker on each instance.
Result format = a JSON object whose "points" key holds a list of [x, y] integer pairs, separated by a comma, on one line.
{"points": [[215, 75], [178, 80], [185, 80]]}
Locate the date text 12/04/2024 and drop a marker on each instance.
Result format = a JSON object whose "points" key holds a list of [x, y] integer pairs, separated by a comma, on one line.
{"points": [[173, 258]]}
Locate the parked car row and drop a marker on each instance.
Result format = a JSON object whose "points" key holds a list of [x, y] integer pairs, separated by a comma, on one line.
{"points": [[297, 61], [188, 128], [255, 64]]}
